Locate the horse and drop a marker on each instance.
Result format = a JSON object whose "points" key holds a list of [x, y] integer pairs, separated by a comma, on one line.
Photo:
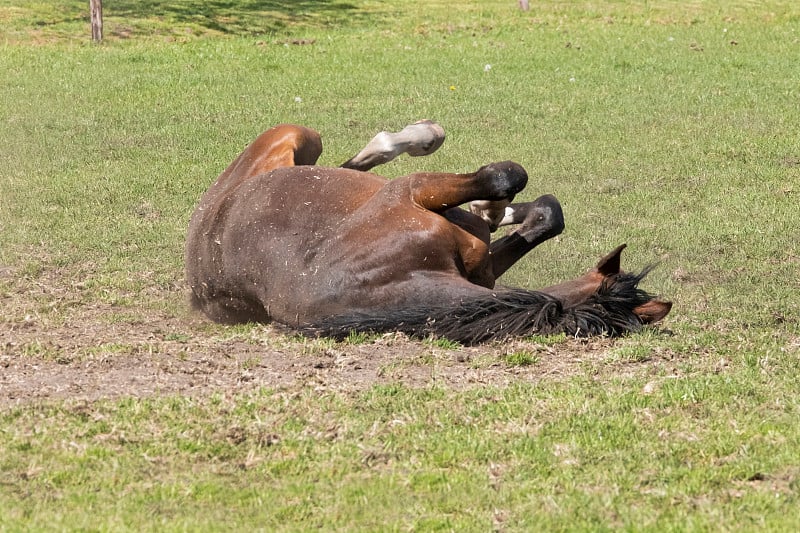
{"points": [[327, 251]]}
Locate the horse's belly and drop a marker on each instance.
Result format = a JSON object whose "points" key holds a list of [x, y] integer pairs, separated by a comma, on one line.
{"points": [[275, 237]]}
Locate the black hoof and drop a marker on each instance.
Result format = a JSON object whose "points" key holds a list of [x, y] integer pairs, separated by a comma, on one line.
{"points": [[503, 180], [543, 218]]}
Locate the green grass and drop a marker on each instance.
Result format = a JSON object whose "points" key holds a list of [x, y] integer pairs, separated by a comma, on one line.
{"points": [[550, 457], [521, 358], [672, 126]]}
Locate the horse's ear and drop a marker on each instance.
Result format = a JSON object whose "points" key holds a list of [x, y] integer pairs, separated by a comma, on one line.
{"points": [[609, 265], [653, 311]]}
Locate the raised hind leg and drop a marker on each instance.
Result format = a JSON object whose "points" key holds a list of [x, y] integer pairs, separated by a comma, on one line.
{"points": [[418, 139], [285, 145], [438, 191]]}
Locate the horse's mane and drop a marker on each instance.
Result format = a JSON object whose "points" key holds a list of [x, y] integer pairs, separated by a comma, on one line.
{"points": [[503, 313]]}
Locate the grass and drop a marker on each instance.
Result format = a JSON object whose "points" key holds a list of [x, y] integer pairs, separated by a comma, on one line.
{"points": [[521, 358], [529, 457], [671, 126]]}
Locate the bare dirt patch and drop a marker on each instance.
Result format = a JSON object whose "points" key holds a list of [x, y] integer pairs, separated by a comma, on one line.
{"points": [[54, 346]]}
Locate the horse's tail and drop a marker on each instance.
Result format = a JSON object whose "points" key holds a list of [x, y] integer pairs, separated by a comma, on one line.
{"points": [[504, 313]]}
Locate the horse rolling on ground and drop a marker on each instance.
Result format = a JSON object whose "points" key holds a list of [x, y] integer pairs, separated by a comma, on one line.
{"points": [[328, 251]]}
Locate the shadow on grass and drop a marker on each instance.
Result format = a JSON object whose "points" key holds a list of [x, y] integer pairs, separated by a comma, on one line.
{"points": [[53, 21], [242, 17]]}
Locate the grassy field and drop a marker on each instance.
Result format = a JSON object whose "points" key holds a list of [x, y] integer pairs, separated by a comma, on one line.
{"points": [[672, 126]]}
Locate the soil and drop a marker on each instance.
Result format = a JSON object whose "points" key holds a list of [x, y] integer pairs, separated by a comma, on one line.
{"points": [[54, 346]]}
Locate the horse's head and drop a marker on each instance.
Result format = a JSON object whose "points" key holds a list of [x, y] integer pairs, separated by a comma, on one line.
{"points": [[606, 272]]}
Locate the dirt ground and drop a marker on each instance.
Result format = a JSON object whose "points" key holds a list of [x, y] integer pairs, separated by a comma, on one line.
{"points": [[55, 347]]}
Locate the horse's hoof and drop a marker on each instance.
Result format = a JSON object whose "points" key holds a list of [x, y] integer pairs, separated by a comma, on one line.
{"points": [[543, 220], [426, 136], [503, 180]]}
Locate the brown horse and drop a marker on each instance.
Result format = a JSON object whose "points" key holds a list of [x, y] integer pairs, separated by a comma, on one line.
{"points": [[328, 251]]}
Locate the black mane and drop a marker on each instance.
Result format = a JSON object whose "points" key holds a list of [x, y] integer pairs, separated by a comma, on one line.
{"points": [[504, 313]]}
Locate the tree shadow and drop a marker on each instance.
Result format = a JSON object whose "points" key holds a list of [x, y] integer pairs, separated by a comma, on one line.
{"points": [[53, 21], [241, 17]]}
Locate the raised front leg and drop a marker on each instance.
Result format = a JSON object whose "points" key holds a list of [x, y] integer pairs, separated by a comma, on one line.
{"points": [[439, 192], [539, 220], [418, 139]]}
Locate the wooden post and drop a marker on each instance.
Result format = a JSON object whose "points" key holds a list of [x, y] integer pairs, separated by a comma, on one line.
{"points": [[96, 16]]}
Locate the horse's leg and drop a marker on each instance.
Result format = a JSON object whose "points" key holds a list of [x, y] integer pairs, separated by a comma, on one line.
{"points": [[285, 145], [421, 138], [500, 213], [493, 213], [439, 192], [539, 221], [406, 205]]}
